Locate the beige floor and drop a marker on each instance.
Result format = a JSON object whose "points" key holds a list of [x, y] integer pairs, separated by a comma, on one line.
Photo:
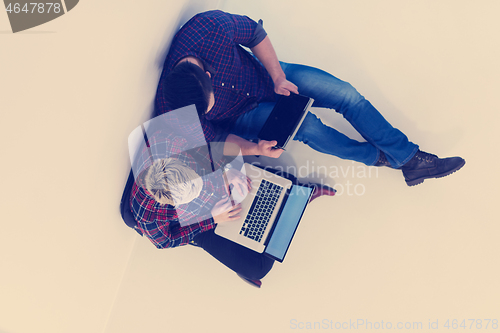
{"points": [[380, 252]]}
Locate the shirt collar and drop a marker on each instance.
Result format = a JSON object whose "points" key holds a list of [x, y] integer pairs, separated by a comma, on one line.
{"points": [[207, 67]]}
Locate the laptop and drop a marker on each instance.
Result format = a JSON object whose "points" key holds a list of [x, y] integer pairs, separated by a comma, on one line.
{"points": [[285, 119], [270, 214]]}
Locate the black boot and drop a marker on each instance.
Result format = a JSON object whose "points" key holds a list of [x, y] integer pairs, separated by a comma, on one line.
{"points": [[424, 165]]}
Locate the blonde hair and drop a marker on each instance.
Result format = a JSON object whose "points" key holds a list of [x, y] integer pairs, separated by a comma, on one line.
{"points": [[171, 182]]}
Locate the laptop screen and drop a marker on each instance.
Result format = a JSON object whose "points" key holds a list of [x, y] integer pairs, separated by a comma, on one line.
{"points": [[288, 222]]}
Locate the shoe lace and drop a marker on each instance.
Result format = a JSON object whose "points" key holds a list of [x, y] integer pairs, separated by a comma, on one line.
{"points": [[423, 156]]}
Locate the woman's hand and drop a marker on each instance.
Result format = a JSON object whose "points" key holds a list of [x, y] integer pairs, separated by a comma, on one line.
{"points": [[240, 182], [224, 211]]}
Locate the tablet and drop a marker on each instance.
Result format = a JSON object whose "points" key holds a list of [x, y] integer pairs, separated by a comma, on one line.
{"points": [[285, 119]]}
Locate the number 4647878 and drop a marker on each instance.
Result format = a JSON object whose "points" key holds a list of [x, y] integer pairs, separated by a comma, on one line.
{"points": [[35, 8]]}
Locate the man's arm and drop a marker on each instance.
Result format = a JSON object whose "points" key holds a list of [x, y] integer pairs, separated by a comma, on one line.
{"points": [[264, 51], [235, 143]]}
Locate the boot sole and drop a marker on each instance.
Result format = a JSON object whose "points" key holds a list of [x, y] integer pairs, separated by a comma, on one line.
{"points": [[254, 283], [421, 179]]}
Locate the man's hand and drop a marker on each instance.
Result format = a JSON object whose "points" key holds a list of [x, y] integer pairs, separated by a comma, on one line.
{"points": [[224, 211], [266, 148], [264, 51], [283, 87], [250, 148]]}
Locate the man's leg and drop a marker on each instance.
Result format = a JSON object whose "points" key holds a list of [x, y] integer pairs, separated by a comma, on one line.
{"points": [[385, 146], [313, 133], [330, 92]]}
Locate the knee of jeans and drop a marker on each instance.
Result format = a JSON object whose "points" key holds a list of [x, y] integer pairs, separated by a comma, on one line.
{"points": [[350, 95], [309, 128]]}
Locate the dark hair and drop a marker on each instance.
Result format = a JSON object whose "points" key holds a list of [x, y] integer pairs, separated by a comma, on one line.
{"points": [[187, 84]]}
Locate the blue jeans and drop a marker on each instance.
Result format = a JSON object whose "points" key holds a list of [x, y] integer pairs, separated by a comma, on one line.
{"points": [[330, 92]]}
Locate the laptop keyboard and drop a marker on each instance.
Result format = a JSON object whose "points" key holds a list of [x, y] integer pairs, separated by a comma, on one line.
{"points": [[260, 212]]}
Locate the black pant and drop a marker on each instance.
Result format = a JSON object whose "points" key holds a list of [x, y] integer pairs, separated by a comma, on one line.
{"points": [[240, 259]]}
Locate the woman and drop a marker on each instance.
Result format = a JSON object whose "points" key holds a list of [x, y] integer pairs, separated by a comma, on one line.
{"points": [[181, 194]]}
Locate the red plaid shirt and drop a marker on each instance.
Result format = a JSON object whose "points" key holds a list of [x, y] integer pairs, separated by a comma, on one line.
{"points": [[160, 223], [240, 82]]}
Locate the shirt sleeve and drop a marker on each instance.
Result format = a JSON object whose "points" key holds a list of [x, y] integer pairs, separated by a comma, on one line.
{"points": [[173, 235], [258, 36], [160, 224], [240, 29]]}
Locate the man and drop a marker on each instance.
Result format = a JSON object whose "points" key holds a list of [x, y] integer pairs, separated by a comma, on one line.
{"points": [[234, 92]]}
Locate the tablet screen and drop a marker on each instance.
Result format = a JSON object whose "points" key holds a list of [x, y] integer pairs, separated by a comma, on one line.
{"points": [[284, 118]]}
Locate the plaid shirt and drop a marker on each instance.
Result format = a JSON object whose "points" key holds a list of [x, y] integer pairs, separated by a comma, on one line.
{"points": [[240, 82], [161, 223]]}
